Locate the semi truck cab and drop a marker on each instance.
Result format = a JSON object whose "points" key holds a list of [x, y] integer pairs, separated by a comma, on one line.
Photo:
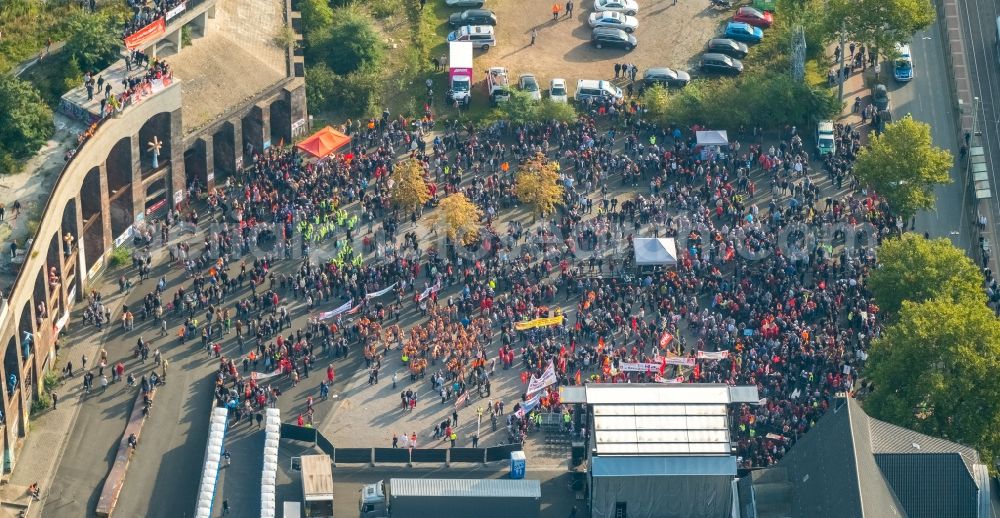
{"points": [[373, 503]]}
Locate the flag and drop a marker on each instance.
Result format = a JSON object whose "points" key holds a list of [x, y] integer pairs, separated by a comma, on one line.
{"points": [[665, 339], [528, 405], [577, 378], [600, 344], [462, 400]]}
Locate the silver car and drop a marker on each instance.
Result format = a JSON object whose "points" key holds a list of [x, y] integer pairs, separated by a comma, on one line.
{"points": [[529, 85], [629, 7], [614, 19]]}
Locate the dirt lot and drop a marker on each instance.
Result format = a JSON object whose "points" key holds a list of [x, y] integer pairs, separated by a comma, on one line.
{"points": [[669, 35]]}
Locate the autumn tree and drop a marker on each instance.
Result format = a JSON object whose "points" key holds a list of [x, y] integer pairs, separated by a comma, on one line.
{"points": [[916, 269], [460, 218], [538, 185], [904, 166], [934, 371], [409, 189]]}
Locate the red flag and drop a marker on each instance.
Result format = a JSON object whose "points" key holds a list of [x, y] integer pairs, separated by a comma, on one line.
{"points": [[600, 344], [578, 378], [663, 365], [697, 371], [665, 339]]}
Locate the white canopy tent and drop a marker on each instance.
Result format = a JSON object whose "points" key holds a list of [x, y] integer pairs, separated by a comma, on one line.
{"points": [[712, 138], [655, 251]]}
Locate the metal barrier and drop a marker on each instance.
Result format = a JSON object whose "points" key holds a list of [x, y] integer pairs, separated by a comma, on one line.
{"points": [[353, 455], [467, 455], [429, 455], [298, 433], [324, 444], [392, 455]]}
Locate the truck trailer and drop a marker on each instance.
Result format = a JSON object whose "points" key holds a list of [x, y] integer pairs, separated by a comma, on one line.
{"points": [[459, 72], [423, 497]]}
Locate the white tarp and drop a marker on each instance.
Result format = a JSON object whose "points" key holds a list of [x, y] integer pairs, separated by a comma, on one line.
{"points": [[659, 251], [712, 138]]}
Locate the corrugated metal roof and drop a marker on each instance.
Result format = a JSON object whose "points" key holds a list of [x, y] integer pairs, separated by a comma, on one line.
{"points": [[644, 466], [485, 487], [640, 393], [931, 485], [889, 438], [317, 477], [661, 429]]}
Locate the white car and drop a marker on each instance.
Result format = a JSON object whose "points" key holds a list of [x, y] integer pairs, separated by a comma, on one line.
{"points": [[614, 19], [529, 85], [629, 7], [557, 90]]}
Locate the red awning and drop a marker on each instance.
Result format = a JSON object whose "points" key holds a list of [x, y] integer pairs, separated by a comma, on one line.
{"points": [[324, 142]]}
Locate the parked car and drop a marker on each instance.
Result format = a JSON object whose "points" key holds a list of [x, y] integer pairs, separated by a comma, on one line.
{"points": [[481, 36], [666, 77], [731, 48], [753, 17], [611, 37], [720, 64], [614, 19], [474, 4], [826, 143], [629, 7], [529, 85], [597, 90], [880, 97], [473, 17], [557, 90], [744, 32]]}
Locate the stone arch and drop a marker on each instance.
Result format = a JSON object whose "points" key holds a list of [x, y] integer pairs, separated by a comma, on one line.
{"points": [[253, 128], [196, 165], [90, 194], [119, 166], [11, 365], [26, 333], [156, 198], [54, 283], [281, 122], [157, 126]]}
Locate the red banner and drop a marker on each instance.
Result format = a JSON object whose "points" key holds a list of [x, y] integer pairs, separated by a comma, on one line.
{"points": [[146, 34]]}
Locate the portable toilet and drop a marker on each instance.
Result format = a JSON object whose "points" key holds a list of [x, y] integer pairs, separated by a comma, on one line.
{"points": [[517, 465]]}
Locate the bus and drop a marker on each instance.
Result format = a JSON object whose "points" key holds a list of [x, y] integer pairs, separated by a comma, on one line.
{"points": [[902, 68]]}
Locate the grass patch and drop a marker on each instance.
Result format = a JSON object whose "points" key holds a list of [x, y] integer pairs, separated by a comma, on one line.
{"points": [[120, 257], [382, 9], [27, 24], [53, 77], [50, 381], [43, 403]]}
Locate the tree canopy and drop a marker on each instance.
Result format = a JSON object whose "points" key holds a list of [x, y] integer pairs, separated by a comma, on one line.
{"points": [[916, 269], [349, 44], [93, 40], [316, 15], [537, 184], [460, 218], [409, 188], [881, 23], [904, 166], [934, 371], [25, 121]]}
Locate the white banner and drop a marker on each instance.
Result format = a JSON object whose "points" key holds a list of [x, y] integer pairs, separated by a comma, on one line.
{"points": [[326, 315], [639, 367], [528, 405], [678, 360], [175, 11], [379, 293], [678, 379], [261, 376], [715, 355], [548, 378], [427, 293], [462, 400]]}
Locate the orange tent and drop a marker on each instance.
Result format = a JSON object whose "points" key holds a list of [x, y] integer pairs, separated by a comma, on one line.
{"points": [[324, 142]]}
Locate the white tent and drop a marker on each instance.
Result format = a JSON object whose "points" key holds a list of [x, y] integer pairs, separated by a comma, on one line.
{"points": [[655, 251], [712, 138]]}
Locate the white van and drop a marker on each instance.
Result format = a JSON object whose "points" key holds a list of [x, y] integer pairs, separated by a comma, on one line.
{"points": [[481, 36], [597, 90]]}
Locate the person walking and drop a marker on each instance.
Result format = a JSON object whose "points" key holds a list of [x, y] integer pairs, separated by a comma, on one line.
{"points": [[555, 12], [569, 9], [534, 35], [55, 400], [225, 507], [618, 70]]}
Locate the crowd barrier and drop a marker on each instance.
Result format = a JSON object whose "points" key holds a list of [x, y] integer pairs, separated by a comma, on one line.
{"points": [[397, 455], [272, 434], [213, 458], [108, 499]]}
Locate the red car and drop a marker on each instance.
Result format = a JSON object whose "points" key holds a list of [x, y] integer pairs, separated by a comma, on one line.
{"points": [[753, 17]]}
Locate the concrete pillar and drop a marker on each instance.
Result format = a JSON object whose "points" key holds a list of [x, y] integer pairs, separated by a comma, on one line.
{"points": [[175, 38], [237, 125], [81, 263], [295, 95], [261, 112], [208, 141], [138, 193], [176, 188], [105, 210]]}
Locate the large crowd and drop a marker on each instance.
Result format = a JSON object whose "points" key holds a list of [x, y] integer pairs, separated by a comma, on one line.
{"points": [[792, 320]]}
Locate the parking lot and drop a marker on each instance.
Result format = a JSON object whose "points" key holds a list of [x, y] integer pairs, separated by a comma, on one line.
{"points": [[669, 34]]}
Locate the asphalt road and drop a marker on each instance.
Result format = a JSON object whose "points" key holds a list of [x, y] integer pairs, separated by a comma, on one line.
{"points": [[928, 99], [978, 22]]}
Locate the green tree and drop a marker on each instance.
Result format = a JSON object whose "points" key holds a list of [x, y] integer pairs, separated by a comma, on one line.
{"points": [[656, 102], [25, 121], [460, 218], [519, 109], [881, 23], [316, 15], [93, 40], [904, 166], [320, 87], [550, 110], [911, 268], [934, 371], [349, 44]]}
